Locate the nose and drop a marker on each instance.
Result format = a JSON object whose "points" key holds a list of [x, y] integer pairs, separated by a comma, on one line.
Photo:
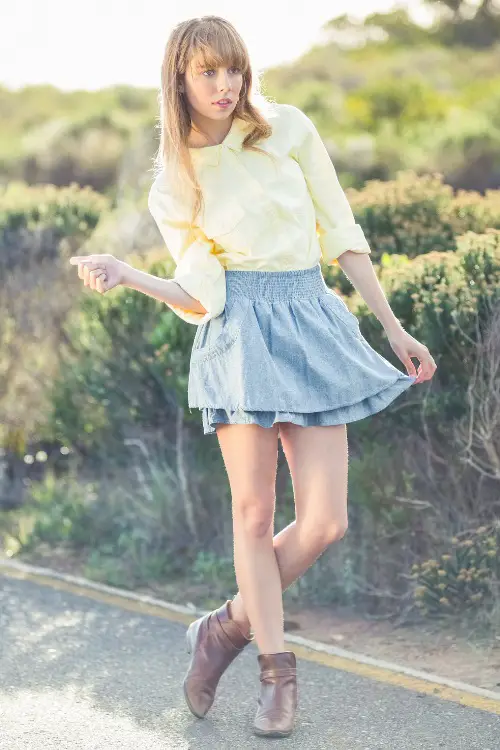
{"points": [[223, 82]]}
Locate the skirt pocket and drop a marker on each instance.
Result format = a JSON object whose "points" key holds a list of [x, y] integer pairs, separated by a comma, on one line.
{"points": [[339, 308], [217, 335]]}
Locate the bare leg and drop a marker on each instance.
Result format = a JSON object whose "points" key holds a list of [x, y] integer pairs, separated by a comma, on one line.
{"points": [[250, 454], [318, 462]]}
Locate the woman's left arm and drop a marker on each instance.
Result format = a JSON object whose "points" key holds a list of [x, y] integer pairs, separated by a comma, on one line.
{"points": [[359, 270], [342, 239]]}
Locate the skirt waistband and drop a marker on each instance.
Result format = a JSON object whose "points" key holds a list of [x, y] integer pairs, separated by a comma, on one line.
{"points": [[275, 285]]}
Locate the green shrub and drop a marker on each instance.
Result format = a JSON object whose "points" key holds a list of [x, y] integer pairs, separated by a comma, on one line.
{"points": [[132, 523], [440, 298], [35, 219], [215, 571], [40, 227], [405, 105], [60, 511], [414, 215], [125, 364], [464, 577]]}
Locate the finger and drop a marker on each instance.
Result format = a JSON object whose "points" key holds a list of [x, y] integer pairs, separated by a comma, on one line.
{"points": [[75, 259], [93, 274], [410, 367], [429, 367], [82, 270], [86, 265], [101, 285], [88, 268], [92, 265]]}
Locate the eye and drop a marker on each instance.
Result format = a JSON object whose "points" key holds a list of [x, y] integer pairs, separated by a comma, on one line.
{"points": [[211, 70]]}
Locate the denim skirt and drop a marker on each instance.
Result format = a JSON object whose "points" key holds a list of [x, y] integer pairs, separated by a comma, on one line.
{"points": [[286, 348]]}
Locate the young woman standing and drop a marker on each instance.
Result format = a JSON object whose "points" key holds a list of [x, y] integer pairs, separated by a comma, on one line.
{"points": [[248, 203]]}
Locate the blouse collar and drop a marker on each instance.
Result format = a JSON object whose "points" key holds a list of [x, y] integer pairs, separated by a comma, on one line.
{"points": [[210, 155]]}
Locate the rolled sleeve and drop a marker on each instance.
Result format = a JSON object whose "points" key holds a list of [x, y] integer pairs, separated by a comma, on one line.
{"points": [[334, 242], [197, 270], [336, 226]]}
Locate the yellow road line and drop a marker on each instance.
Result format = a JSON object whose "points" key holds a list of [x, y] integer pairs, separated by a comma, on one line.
{"points": [[379, 673], [398, 679]]}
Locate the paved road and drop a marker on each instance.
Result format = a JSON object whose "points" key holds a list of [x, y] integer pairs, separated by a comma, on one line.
{"points": [[82, 674]]}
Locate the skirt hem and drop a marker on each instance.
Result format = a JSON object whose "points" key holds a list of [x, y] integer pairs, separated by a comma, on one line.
{"points": [[357, 410]]}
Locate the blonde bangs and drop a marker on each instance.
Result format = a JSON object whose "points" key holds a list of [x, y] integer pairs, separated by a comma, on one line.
{"points": [[215, 45]]}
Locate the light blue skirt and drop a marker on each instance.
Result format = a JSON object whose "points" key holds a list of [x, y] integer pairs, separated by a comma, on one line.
{"points": [[286, 348]]}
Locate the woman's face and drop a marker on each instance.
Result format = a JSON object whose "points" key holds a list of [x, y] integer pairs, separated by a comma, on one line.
{"points": [[203, 87]]}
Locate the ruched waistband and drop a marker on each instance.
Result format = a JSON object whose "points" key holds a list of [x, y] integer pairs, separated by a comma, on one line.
{"points": [[275, 285]]}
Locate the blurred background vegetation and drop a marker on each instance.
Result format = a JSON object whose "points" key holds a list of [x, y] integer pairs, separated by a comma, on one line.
{"points": [[103, 468]]}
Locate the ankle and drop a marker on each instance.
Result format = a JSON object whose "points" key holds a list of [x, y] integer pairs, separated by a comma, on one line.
{"points": [[243, 623]]}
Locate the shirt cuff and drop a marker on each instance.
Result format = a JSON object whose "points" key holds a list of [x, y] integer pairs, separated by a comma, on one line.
{"points": [[211, 295], [336, 241]]}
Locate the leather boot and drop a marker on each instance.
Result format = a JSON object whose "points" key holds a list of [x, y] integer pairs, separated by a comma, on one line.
{"points": [[278, 694], [213, 641]]}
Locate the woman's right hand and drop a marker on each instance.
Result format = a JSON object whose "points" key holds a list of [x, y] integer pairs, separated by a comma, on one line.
{"points": [[100, 272]]}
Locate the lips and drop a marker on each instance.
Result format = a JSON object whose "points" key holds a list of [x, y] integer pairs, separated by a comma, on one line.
{"points": [[223, 101]]}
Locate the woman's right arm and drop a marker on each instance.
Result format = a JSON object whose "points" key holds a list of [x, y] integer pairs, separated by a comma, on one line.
{"points": [[197, 292], [199, 275], [164, 290]]}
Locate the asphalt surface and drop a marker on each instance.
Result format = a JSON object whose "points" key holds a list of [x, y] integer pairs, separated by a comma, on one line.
{"points": [[82, 674]]}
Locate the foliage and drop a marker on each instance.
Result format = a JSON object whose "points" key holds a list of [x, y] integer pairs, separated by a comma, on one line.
{"points": [[124, 363], [445, 300], [464, 577], [35, 219], [60, 511], [39, 227], [60, 137], [378, 101], [133, 524], [415, 215]]}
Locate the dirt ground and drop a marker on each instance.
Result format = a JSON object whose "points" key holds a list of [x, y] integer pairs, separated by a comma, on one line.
{"points": [[433, 648]]}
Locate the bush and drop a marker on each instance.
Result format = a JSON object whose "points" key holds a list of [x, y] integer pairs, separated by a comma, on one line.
{"points": [[60, 512], [123, 367], [464, 577], [415, 215], [34, 221], [39, 228], [441, 298]]}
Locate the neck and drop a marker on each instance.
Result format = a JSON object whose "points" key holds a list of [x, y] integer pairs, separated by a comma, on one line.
{"points": [[207, 132]]}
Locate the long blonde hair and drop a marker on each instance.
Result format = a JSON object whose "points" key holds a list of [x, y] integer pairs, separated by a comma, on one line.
{"points": [[218, 43]]}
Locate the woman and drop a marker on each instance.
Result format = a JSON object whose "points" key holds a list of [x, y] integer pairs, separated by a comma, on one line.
{"points": [[248, 202]]}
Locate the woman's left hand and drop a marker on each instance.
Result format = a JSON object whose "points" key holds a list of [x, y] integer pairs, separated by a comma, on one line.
{"points": [[405, 346]]}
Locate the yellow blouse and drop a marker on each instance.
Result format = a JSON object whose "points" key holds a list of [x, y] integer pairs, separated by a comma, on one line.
{"points": [[259, 214]]}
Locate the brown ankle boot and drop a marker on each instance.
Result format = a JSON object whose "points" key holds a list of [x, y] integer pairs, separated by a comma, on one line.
{"points": [[278, 695], [213, 641]]}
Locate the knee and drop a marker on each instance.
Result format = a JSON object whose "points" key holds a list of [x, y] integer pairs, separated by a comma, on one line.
{"points": [[322, 534], [254, 516], [335, 531]]}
